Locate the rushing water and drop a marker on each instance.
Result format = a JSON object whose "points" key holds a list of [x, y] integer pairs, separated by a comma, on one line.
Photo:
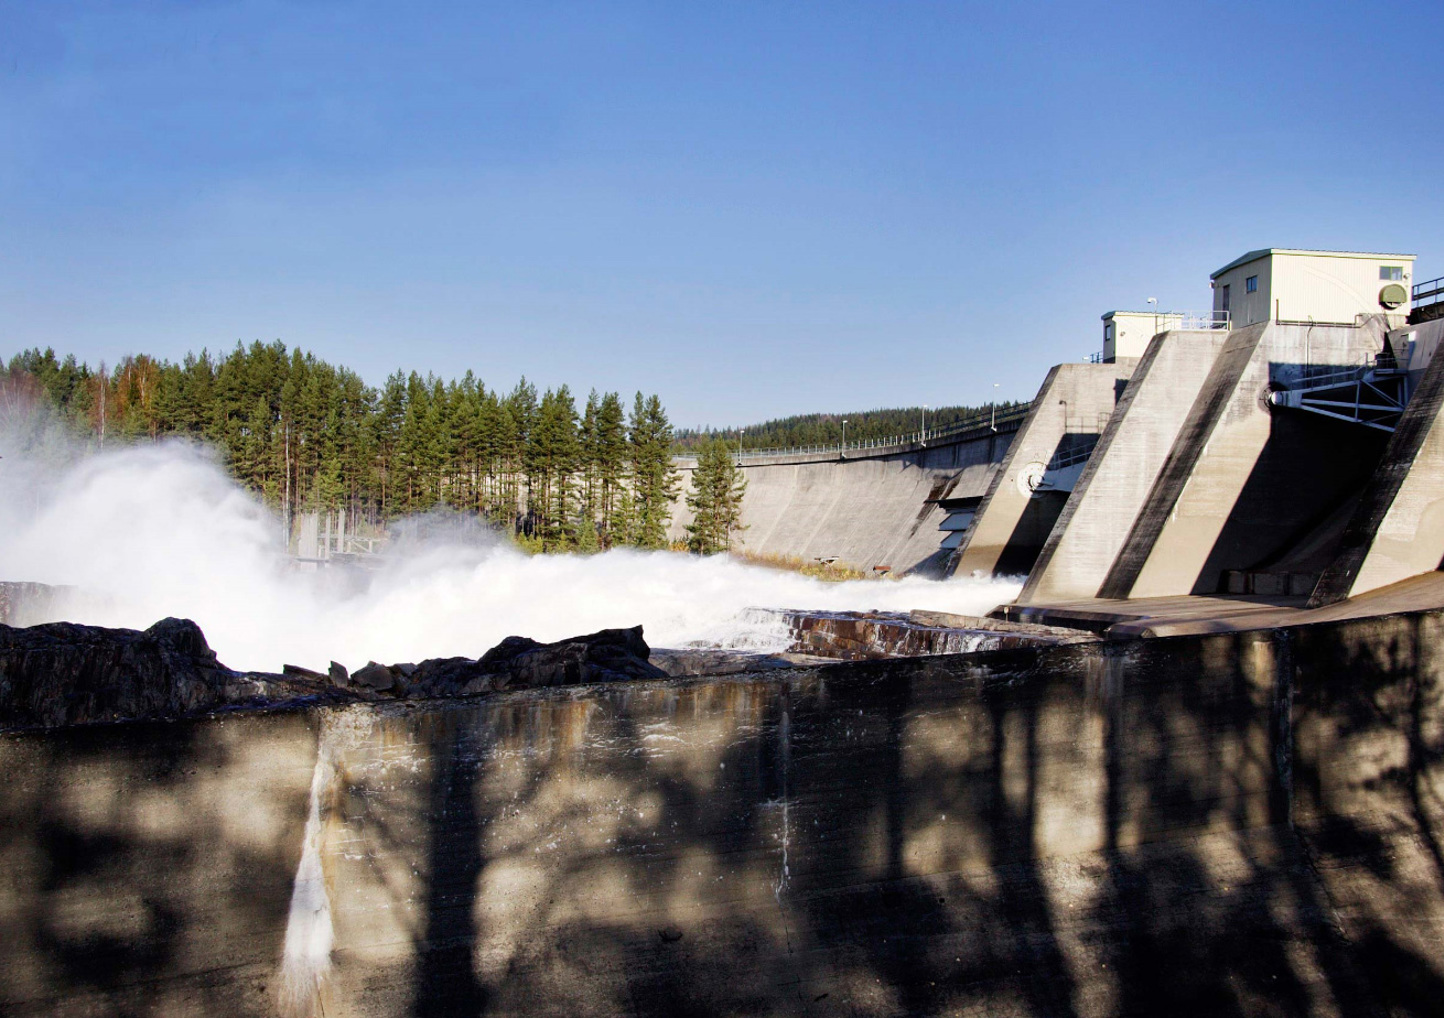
{"points": [[162, 530]]}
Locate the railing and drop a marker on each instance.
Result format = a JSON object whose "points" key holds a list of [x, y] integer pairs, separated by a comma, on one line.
{"points": [[976, 422], [1076, 453], [1429, 292], [1096, 357], [1193, 321]]}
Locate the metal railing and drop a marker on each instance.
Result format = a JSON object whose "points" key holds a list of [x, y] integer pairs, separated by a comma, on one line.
{"points": [[1191, 321], [981, 421], [1077, 452], [1429, 292]]}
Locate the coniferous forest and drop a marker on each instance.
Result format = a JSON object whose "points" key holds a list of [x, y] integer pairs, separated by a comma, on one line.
{"points": [[308, 436]]}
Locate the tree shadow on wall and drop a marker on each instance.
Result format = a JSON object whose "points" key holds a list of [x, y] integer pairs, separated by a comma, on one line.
{"points": [[134, 891]]}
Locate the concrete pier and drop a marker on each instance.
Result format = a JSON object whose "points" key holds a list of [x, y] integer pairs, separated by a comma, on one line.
{"points": [[1241, 485], [1397, 529], [1018, 512], [1104, 503]]}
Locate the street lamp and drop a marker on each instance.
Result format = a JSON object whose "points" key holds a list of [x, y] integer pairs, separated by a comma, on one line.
{"points": [[923, 429], [843, 448], [740, 433], [1064, 404], [994, 423]]}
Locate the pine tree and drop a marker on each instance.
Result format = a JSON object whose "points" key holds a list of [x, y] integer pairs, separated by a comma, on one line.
{"points": [[654, 478], [715, 499], [611, 467]]}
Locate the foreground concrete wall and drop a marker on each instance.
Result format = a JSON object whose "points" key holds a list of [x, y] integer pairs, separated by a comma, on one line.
{"points": [[1013, 521], [1099, 513], [1236, 824], [1397, 530], [864, 510], [1241, 484]]}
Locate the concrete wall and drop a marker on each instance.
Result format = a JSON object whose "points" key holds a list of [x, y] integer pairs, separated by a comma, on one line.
{"points": [[1397, 530], [1013, 522], [1119, 475], [1233, 824], [1240, 485], [865, 510]]}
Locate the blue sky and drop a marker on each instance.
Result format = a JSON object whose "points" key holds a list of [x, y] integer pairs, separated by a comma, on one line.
{"points": [[751, 209]]}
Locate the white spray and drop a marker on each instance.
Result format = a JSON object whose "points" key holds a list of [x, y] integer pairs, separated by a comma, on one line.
{"points": [[160, 530]]}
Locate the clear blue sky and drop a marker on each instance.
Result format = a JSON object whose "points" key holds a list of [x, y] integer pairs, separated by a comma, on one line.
{"points": [[751, 209]]}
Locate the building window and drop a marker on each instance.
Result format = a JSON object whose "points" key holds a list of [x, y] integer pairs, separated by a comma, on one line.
{"points": [[1251, 284], [1392, 273]]}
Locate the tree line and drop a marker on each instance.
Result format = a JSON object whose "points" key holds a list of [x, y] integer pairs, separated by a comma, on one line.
{"points": [[826, 429], [309, 436]]}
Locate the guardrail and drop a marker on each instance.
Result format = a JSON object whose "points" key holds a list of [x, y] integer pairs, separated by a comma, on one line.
{"points": [[1428, 292], [976, 422], [1197, 321]]}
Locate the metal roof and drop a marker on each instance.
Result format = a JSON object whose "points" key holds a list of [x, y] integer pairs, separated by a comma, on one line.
{"points": [[1254, 256]]}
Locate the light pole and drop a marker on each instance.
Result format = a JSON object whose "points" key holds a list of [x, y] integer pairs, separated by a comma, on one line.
{"points": [[923, 428], [740, 433], [994, 406], [1153, 306], [843, 448]]}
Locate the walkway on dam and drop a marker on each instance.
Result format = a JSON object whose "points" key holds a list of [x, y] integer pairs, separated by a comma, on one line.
{"points": [[1198, 614]]}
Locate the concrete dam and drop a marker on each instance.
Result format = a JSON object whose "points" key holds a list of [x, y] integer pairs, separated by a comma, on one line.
{"points": [[1199, 769], [873, 506]]}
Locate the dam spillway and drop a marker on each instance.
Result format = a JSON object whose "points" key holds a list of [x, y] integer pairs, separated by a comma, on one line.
{"points": [[1242, 822]]}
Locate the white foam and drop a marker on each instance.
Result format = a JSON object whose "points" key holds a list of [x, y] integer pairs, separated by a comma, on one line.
{"points": [[158, 530]]}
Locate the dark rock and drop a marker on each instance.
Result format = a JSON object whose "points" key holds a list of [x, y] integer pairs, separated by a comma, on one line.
{"points": [[296, 671], [447, 676], [339, 675], [374, 676], [63, 673], [611, 655]]}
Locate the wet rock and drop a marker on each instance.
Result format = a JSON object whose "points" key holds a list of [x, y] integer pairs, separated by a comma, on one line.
{"points": [[374, 676], [62, 673], [448, 676], [611, 655]]}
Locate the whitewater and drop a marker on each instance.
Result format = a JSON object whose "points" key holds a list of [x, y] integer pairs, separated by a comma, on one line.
{"points": [[161, 530]]}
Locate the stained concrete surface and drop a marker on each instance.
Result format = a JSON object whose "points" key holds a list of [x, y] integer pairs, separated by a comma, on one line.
{"points": [[865, 508], [1244, 823], [1014, 521], [1397, 528], [1239, 486], [1095, 521]]}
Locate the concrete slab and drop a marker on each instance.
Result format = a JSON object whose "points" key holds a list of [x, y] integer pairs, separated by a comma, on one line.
{"points": [[1194, 615]]}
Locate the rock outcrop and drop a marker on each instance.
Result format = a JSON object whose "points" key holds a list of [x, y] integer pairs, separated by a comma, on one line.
{"points": [[611, 655], [63, 673]]}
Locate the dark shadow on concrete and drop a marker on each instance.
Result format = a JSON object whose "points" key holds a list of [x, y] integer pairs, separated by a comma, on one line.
{"points": [[446, 981], [1309, 466]]}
